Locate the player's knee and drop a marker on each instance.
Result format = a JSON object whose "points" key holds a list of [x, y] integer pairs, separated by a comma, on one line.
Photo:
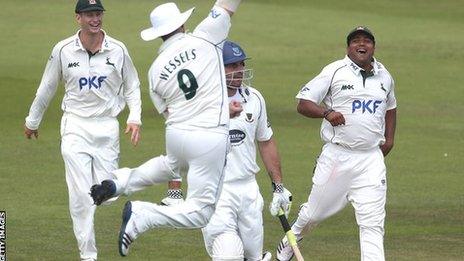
{"points": [[311, 217], [227, 246]]}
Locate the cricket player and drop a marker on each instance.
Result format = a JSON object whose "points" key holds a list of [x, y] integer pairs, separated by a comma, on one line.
{"points": [[358, 129], [235, 231], [187, 85], [99, 79]]}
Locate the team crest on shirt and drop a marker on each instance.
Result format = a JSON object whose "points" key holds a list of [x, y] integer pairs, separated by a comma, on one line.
{"points": [[108, 62], [236, 137], [381, 87], [249, 118]]}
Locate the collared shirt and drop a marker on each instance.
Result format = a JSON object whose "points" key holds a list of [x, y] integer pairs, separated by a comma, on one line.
{"points": [[363, 101], [97, 85], [187, 78], [251, 125]]}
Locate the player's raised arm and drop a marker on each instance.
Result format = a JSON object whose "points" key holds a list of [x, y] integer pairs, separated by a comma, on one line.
{"points": [[215, 27], [229, 5]]}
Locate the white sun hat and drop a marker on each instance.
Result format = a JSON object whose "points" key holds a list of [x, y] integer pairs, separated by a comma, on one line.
{"points": [[165, 19]]}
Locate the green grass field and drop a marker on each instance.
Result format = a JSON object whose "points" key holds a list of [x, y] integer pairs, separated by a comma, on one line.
{"points": [[420, 42]]}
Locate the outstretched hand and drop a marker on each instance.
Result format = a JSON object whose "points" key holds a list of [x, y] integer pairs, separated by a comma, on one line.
{"points": [[134, 129]]}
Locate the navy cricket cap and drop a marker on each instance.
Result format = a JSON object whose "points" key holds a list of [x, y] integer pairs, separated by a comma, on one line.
{"points": [[360, 30], [232, 53], [88, 5]]}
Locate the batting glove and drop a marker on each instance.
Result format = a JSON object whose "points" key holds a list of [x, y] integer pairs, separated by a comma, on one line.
{"points": [[281, 198]]}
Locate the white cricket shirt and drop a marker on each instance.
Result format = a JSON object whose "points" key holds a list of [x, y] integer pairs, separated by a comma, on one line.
{"points": [[251, 125], [95, 86], [340, 86], [188, 79]]}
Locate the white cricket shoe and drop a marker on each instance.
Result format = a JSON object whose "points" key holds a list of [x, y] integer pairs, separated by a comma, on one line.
{"points": [[128, 233], [267, 256], [284, 250], [167, 201]]}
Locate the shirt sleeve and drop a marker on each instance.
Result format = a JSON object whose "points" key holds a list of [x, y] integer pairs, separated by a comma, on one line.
{"points": [[47, 89], [391, 99], [132, 90], [263, 131], [158, 101], [316, 89], [215, 27]]}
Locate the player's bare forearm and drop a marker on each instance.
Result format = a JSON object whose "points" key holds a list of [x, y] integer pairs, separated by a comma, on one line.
{"points": [[312, 110], [271, 159], [390, 127], [174, 184]]}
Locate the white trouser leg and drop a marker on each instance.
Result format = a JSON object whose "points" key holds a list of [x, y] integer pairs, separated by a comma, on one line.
{"points": [[368, 197], [238, 211], [224, 219], [250, 222], [81, 206], [331, 183], [154, 171], [203, 153], [89, 156]]}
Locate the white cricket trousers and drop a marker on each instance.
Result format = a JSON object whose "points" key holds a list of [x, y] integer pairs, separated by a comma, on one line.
{"points": [[90, 149], [239, 211], [343, 176], [203, 153]]}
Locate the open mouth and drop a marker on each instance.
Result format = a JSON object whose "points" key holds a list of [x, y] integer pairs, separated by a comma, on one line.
{"points": [[361, 51], [95, 26]]}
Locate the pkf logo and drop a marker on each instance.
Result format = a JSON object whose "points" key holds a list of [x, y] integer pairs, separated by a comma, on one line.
{"points": [[95, 82], [370, 106]]}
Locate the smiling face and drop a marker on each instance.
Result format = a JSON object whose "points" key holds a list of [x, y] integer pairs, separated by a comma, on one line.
{"points": [[361, 51], [90, 22]]}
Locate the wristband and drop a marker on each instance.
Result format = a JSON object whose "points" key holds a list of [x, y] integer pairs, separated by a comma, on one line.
{"points": [[277, 187], [327, 112], [174, 193]]}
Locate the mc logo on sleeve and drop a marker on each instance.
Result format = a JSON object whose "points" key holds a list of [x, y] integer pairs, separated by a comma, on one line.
{"points": [[91, 82], [369, 106]]}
